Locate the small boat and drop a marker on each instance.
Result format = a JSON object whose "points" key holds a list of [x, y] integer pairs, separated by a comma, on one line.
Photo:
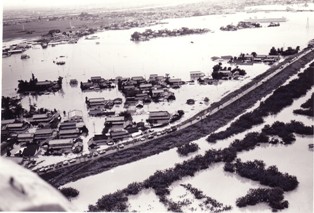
{"points": [[73, 82], [97, 42], [91, 38], [60, 62], [44, 45], [24, 56]]}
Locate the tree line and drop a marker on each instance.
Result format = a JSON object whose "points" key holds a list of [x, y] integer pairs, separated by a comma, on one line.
{"points": [[281, 51], [273, 197], [255, 170], [161, 180], [307, 108], [282, 97], [211, 204]]}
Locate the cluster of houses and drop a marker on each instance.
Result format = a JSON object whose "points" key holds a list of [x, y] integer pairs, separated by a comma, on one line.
{"points": [[137, 90], [97, 83], [34, 86], [119, 128], [101, 106], [42, 131], [250, 59]]}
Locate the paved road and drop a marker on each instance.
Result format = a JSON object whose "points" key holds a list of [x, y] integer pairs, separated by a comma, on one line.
{"points": [[115, 148]]}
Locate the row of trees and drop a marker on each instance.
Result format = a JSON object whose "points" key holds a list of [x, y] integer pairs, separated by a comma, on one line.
{"points": [[114, 202], [273, 197], [255, 170], [281, 51], [285, 131], [244, 122], [307, 108], [212, 204], [161, 180], [282, 97]]}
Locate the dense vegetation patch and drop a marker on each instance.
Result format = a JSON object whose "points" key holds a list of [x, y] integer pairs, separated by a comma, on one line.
{"points": [[114, 202], [255, 170], [69, 192], [211, 204], [273, 197], [285, 131], [184, 150], [307, 107], [282, 97]]}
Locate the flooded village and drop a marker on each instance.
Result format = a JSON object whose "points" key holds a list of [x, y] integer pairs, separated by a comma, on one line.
{"points": [[181, 97]]}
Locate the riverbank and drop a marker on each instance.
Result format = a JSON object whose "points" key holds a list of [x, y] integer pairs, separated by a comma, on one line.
{"points": [[193, 132]]}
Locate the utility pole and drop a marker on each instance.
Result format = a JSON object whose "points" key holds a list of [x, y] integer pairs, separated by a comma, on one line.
{"points": [[307, 23]]}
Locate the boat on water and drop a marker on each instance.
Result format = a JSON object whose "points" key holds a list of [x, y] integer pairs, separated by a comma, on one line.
{"points": [[25, 56], [73, 82], [60, 62], [91, 38], [44, 45], [97, 42], [272, 24]]}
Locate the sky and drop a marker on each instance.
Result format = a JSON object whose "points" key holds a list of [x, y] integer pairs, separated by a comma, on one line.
{"points": [[23, 4]]}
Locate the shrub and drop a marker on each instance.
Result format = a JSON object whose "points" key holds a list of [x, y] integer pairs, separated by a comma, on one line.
{"points": [[69, 192], [255, 170], [187, 148], [111, 202], [133, 188], [273, 197]]}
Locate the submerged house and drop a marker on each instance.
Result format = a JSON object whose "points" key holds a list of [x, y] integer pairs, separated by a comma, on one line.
{"points": [[194, 75], [75, 116], [61, 145], [10, 128], [158, 118], [69, 133], [138, 79], [24, 138], [43, 134], [42, 118], [119, 134], [147, 87], [175, 82], [116, 122], [92, 102]]}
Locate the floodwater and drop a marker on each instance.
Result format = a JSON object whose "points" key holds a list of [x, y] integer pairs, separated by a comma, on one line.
{"points": [[116, 55], [214, 182]]}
